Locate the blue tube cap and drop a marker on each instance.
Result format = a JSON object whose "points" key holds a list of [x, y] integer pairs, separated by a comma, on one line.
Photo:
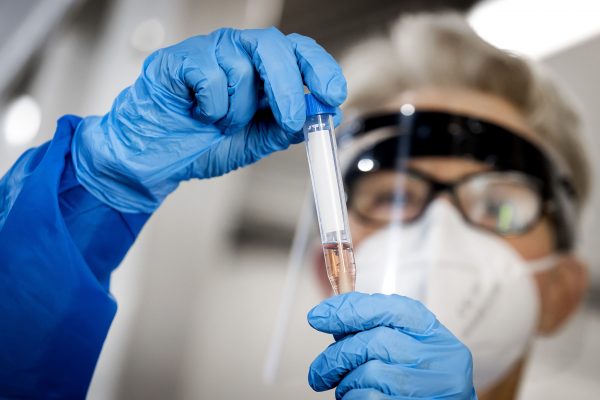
{"points": [[315, 107]]}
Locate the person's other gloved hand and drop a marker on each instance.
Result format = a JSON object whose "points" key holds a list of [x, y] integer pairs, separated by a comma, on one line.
{"points": [[388, 347], [200, 109]]}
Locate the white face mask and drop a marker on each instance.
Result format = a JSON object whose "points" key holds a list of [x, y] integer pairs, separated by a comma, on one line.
{"points": [[476, 284]]}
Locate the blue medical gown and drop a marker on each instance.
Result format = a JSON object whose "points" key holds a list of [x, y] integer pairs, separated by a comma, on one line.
{"points": [[58, 247]]}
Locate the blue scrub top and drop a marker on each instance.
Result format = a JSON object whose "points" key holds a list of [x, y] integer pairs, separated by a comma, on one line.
{"points": [[58, 247]]}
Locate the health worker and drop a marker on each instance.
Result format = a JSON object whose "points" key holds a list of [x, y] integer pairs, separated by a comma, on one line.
{"points": [[465, 173]]}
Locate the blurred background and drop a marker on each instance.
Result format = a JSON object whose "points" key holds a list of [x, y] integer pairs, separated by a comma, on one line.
{"points": [[200, 293]]}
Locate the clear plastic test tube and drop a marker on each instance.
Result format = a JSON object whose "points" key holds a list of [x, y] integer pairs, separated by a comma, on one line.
{"points": [[329, 195]]}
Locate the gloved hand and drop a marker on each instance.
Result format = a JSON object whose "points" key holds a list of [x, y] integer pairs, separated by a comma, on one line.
{"points": [[388, 347], [200, 109]]}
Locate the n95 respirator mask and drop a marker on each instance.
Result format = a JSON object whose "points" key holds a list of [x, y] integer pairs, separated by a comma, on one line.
{"points": [[476, 284]]}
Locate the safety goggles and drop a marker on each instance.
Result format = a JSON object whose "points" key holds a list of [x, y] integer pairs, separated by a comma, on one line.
{"points": [[507, 203], [522, 182]]}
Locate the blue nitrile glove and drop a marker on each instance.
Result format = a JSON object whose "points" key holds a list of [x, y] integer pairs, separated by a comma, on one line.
{"points": [[202, 108], [388, 347]]}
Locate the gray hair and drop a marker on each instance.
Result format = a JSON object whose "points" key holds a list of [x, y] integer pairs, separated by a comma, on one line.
{"points": [[441, 49]]}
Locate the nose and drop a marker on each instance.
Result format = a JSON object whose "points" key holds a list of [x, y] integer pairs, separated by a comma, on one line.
{"points": [[443, 213], [444, 196]]}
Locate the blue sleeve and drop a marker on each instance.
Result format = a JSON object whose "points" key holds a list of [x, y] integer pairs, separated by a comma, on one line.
{"points": [[58, 247]]}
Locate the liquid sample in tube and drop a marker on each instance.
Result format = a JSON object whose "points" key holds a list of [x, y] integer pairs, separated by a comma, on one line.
{"points": [[341, 270], [330, 199]]}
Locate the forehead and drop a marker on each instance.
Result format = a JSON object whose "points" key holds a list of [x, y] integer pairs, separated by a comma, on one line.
{"points": [[447, 169]]}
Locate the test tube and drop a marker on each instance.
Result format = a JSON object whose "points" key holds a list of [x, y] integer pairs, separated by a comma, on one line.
{"points": [[329, 195]]}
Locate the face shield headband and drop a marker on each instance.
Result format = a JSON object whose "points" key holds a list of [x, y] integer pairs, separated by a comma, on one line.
{"points": [[388, 141]]}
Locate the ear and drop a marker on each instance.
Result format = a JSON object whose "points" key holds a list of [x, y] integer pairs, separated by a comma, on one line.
{"points": [[561, 290]]}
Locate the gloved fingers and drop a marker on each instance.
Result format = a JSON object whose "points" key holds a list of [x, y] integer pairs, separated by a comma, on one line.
{"points": [[260, 137], [368, 394], [384, 344], [321, 73], [273, 57], [202, 75], [354, 312], [387, 379], [242, 83], [337, 117], [400, 381], [265, 136]]}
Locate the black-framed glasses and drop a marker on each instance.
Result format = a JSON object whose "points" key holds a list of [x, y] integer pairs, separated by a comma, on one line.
{"points": [[504, 202]]}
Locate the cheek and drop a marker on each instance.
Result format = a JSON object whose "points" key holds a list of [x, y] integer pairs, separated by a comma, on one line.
{"points": [[561, 291], [536, 243]]}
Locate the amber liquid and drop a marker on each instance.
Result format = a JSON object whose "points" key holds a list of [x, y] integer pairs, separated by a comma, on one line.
{"points": [[341, 270]]}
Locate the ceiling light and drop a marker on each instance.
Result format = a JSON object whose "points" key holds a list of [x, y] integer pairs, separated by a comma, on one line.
{"points": [[535, 28]]}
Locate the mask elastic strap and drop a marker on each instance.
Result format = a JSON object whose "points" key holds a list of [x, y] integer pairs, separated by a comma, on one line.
{"points": [[544, 263]]}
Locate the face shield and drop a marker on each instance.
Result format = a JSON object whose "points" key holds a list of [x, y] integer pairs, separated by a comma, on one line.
{"points": [[434, 200], [517, 182]]}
